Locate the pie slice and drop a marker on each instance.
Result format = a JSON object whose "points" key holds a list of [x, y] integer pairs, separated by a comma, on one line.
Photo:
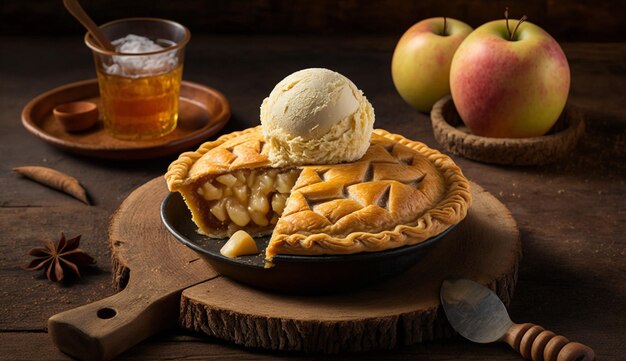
{"points": [[400, 192]]}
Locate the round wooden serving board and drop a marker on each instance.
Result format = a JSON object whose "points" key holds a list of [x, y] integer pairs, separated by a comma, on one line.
{"points": [[154, 267], [485, 247]]}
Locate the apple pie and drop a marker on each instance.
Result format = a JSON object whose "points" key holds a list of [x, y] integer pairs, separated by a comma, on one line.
{"points": [[400, 192]]}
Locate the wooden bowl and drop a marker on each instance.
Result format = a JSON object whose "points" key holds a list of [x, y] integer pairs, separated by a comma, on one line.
{"points": [[292, 273], [76, 116], [452, 134]]}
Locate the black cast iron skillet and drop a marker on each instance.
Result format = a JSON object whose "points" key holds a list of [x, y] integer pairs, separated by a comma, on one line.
{"points": [[292, 273]]}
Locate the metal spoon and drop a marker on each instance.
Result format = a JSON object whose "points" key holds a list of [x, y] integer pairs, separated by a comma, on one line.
{"points": [[477, 313], [79, 13]]}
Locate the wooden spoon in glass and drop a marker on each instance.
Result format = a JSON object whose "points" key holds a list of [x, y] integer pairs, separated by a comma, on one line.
{"points": [[77, 11]]}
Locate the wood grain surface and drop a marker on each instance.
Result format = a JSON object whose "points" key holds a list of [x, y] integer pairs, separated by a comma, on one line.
{"points": [[571, 214], [600, 20]]}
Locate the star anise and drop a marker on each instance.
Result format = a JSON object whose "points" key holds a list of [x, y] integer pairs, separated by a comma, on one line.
{"points": [[60, 259]]}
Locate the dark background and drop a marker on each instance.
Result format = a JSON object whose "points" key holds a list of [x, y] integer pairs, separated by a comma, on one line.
{"points": [[571, 214], [598, 21]]}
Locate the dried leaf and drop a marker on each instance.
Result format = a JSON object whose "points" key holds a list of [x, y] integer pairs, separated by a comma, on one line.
{"points": [[55, 179]]}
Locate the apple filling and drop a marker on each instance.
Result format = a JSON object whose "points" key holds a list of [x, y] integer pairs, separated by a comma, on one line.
{"points": [[239, 244], [254, 199]]}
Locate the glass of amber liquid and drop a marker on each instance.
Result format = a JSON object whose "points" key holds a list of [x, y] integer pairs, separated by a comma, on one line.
{"points": [[140, 81]]}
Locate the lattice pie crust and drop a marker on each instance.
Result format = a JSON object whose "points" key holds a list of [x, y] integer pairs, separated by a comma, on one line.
{"points": [[401, 192]]}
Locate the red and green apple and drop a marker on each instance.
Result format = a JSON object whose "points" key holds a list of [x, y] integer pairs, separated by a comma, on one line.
{"points": [[420, 67], [509, 83]]}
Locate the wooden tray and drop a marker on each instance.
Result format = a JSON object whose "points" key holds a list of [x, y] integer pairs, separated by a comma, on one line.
{"points": [[153, 268], [203, 111], [452, 134]]}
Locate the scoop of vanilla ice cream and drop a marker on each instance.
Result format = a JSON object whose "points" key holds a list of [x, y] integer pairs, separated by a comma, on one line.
{"points": [[316, 116]]}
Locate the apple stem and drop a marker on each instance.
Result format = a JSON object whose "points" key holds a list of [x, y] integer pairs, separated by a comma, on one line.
{"points": [[523, 18], [444, 26], [506, 19]]}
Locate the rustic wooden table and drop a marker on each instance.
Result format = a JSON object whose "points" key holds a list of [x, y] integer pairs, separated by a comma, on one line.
{"points": [[572, 214]]}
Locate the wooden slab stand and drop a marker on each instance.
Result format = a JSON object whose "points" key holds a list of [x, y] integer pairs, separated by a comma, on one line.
{"points": [[403, 310]]}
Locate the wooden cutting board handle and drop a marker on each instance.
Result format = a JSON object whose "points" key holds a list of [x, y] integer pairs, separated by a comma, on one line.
{"points": [[159, 268], [103, 329], [535, 343]]}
